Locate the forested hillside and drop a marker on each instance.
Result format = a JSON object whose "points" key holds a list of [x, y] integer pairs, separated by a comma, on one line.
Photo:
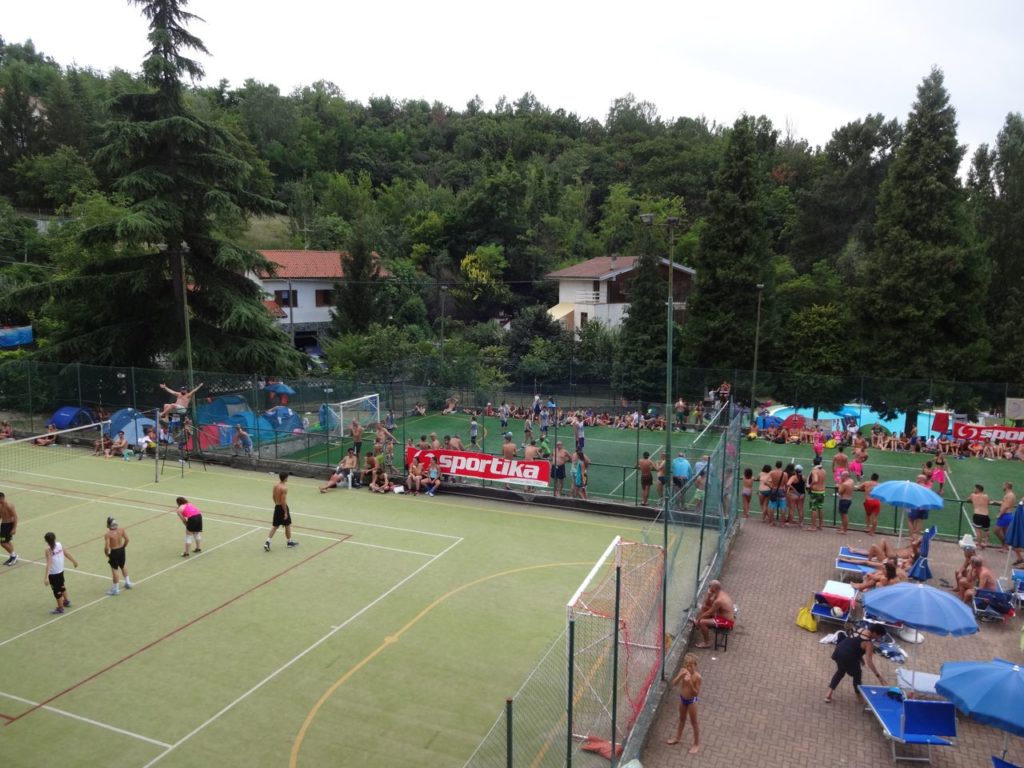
{"points": [[875, 256]]}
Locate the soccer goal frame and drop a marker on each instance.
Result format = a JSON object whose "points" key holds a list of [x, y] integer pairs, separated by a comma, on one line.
{"points": [[365, 410], [615, 634]]}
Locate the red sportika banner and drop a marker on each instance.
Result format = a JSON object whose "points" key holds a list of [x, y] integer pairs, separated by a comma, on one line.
{"points": [[483, 466], [997, 434]]}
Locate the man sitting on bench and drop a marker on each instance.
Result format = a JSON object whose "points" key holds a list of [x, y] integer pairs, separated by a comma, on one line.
{"points": [[717, 612]]}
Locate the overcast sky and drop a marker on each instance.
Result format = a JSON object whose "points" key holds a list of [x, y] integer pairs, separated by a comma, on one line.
{"points": [[811, 66]]}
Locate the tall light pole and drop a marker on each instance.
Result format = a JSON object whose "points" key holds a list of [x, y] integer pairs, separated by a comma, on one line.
{"points": [[757, 342], [670, 223], [444, 292]]}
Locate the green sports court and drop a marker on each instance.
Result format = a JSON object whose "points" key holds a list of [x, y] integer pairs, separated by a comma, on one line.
{"points": [[390, 636]]}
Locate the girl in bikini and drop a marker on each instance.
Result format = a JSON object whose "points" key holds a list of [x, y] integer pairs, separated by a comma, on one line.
{"points": [[748, 490], [689, 682]]}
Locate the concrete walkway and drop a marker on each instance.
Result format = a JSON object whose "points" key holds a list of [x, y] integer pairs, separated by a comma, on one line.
{"points": [[762, 702]]}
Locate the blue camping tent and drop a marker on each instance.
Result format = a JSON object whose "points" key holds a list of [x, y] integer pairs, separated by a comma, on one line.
{"points": [[283, 419], [15, 337], [135, 428], [68, 416], [768, 422], [122, 417]]}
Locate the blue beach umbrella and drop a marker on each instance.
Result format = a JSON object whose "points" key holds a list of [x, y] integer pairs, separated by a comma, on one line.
{"points": [[920, 571], [280, 388], [907, 495], [991, 692], [919, 606], [903, 493]]}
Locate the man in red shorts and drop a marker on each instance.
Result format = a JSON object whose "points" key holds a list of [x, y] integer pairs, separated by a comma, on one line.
{"points": [[717, 611]]}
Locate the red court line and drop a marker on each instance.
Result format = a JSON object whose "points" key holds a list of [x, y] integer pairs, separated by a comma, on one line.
{"points": [[97, 538], [173, 632], [6, 717]]}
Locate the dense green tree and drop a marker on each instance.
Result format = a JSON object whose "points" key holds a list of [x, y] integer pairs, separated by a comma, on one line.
{"points": [[56, 179], [923, 272], [180, 182], [733, 257], [640, 364]]}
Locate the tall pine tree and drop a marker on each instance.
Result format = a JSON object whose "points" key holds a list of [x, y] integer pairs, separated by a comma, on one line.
{"points": [[923, 286], [732, 259], [181, 182]]}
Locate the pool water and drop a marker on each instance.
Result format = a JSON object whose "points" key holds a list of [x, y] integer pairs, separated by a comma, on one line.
{"points": [[864, 416]]}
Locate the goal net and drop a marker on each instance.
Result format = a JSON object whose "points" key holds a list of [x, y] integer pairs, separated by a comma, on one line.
{"points": [[615, 636], [337, 418]]}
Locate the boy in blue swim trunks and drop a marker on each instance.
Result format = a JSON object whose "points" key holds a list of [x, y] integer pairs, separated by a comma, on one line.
{"points": [[689, 682]]}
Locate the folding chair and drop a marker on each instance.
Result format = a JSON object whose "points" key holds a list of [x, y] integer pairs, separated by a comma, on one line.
{"points": [[835, 594], [990, 605], [911, 721]]}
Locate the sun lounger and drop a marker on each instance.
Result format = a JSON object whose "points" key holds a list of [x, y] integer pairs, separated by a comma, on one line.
{"points": [[918, 682], [851, 570], [911, 721], [835, 594], [998, 762]]}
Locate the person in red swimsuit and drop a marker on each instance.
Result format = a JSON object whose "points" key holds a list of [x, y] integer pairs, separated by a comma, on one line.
{"points": [[717, 611]]}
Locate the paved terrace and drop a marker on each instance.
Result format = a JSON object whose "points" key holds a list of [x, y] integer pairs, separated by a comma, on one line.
{"points": [[762, 702]]}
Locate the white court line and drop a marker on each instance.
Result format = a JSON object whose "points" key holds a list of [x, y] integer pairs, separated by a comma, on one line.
{"points": [[77, 571], [73, 611], [88, 720], [334, 629], [246, 506]]}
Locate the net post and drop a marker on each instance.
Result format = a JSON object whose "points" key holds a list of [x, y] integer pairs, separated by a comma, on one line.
{"points": [[508, 732], [571, 648], [615, 656]]}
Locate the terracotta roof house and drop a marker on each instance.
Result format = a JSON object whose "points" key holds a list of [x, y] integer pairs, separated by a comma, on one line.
{"points": [[301, 293], [597, 290]]}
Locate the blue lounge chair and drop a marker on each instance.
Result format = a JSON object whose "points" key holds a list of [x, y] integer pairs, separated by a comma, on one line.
{"points": [[991, 605], [911, 721], [1000, 763]]}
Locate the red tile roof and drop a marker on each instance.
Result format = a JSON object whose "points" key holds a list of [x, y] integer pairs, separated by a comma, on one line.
{"points": [[274, 308], [325, 265], [595, 269]]}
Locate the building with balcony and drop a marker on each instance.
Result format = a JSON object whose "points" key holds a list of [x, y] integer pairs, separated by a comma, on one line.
{"points": [[597, 290], [300, 293]]}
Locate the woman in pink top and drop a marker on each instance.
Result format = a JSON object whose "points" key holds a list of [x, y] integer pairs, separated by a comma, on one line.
{"points": [[192, 518]]}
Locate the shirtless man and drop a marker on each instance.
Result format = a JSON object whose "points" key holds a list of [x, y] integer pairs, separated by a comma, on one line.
{"points": [[182, 400], [844, 492], [981, 521], [980, 576], [117, 447], [1006, 506], [345, 470], [816, 492], [508, 451], [356, 430], [840, 464], [282, 515], [872, 506], [717, 611], [646, 468], [414, 480], [560, 459], [8, 527], [531, 452], [115, 539]]}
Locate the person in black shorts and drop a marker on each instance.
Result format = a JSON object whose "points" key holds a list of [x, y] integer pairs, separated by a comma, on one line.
{"points": [[8, 527], [282, 515]]}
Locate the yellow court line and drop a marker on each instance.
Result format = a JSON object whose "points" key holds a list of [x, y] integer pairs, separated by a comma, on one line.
{"points": [[297, 745]]}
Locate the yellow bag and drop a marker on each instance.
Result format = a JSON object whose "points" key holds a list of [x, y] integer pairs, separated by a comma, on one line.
{"points": [[805, 619], [830, 443]]}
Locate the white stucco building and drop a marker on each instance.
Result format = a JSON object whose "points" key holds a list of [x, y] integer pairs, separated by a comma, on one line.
{"points": [[301, 293], [597, 290]]}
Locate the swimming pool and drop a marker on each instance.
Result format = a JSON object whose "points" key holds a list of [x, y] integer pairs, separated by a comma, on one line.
{"points": [[864, 416]]}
